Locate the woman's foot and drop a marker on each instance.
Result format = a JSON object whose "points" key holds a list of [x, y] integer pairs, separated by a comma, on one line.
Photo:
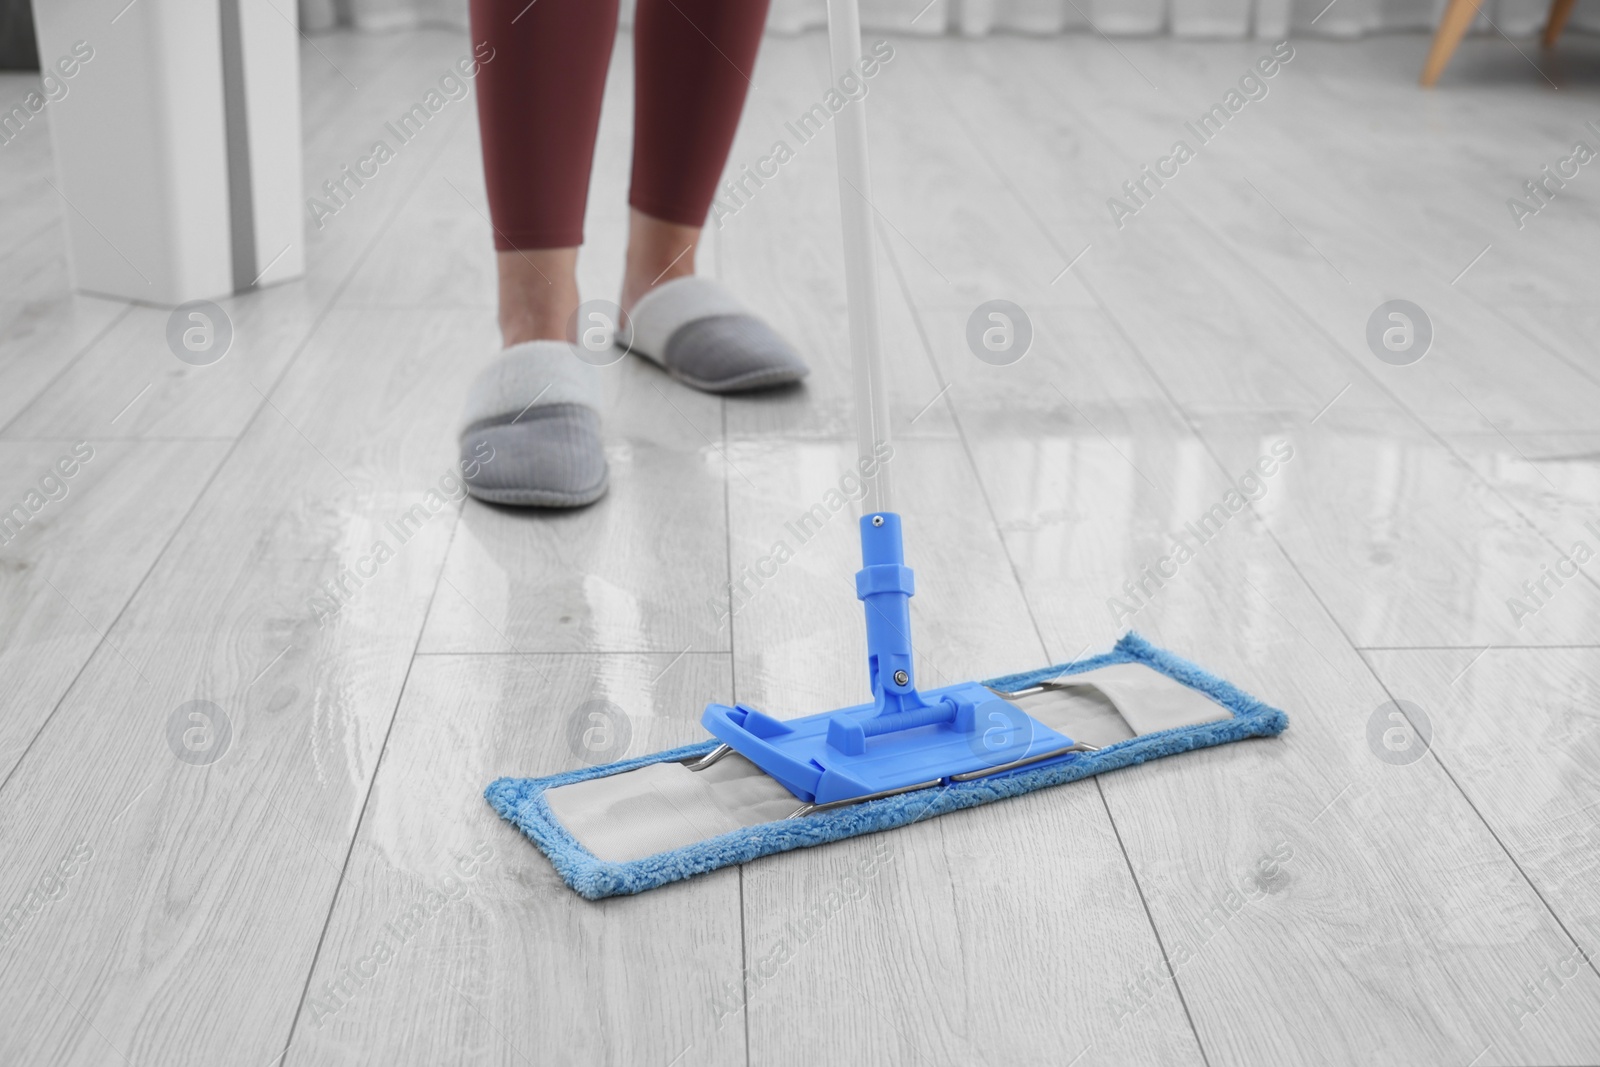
{"points": [[693, 327], [531, 430]]}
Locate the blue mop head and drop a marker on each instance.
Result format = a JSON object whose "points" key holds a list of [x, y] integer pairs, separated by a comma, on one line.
{"points": [[522, 801]]}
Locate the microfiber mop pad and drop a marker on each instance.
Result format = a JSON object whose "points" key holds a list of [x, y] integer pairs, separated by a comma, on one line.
{"points": [[525, 801]]}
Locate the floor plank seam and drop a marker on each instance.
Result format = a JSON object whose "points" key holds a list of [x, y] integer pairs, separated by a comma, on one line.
{"points": [[961, 435], [1466, 648], [105, 638], [534, 653], [372, 782], [1433, 751], [422, 626], [45, 388], [1500, 314], [28, 238], [733, 684], [1166, 960], [129, 440]]}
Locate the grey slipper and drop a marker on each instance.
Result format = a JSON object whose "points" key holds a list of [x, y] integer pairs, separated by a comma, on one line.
{"points": [[702, 335], [531, 430]]}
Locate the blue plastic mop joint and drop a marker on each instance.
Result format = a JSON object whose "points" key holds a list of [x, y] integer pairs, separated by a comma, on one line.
{"points": [[885, 585], [905, 739]]}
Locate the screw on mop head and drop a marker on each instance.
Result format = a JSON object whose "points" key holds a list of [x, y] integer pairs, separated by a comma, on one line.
{"points": [[905, 739]]}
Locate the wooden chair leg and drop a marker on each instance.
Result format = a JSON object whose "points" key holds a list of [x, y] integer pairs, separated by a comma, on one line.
{"points": [[1453, 26], [1559, 10]]}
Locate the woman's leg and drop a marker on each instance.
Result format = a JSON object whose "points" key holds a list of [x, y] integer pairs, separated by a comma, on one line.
{"points": [[538, 110], [693, 60], [531, 429]]}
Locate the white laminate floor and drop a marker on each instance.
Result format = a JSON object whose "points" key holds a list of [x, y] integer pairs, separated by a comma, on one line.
{"points": [[307, 874]]}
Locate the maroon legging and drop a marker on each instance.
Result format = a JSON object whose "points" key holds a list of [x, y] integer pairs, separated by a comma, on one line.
{"points": [[539, 107]]}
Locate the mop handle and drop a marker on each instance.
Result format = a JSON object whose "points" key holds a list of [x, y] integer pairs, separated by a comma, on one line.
{"points": [[860, 275]]}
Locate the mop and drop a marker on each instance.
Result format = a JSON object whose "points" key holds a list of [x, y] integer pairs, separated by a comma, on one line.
{"points": [[761, 785]]}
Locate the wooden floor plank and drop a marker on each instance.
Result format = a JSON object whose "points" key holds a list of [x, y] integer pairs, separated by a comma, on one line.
{"points": [[1564, 328], [512, 967], [39, 339], [1534, 781], [64, 582], [1554, 480]]}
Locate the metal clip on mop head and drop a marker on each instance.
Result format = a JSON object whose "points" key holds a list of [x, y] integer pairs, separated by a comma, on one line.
{"points": [[905, 739]]}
